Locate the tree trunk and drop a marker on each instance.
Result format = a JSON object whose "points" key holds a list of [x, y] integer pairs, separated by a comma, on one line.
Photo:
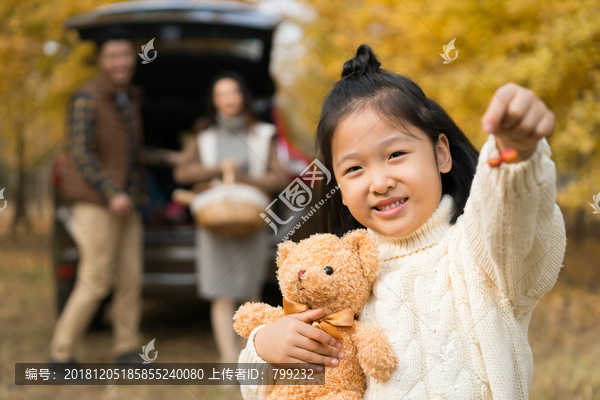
{"points": [[20, 204]]}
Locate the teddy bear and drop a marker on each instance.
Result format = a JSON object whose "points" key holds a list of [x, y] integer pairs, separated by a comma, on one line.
{"points": [[336, 274]]}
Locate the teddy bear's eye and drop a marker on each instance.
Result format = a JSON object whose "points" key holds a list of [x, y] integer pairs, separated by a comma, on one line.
{"points": [[328, 270]]}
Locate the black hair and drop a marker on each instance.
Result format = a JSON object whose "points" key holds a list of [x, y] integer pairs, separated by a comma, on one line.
{"points": [[210, 116], [113, 32], [398, 100]]}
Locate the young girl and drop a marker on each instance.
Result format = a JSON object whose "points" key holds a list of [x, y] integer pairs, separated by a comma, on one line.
{"points": [[468, 249]]}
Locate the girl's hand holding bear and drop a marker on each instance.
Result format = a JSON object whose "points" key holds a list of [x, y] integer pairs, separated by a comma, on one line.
{"points": [[291, 339]]}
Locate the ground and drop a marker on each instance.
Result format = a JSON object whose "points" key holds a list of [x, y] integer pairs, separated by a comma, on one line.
{"points": [[563, 334], [28, 313]]}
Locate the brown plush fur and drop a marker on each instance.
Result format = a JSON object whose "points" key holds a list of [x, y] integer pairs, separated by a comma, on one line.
{"points": [[355, 263]]}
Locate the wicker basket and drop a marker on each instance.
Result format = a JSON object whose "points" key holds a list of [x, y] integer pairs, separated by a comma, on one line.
{"points": [[228, 209]]}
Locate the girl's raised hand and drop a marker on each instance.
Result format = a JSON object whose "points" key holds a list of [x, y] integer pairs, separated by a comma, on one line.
{"points": [[291, 339], [518, 119]]}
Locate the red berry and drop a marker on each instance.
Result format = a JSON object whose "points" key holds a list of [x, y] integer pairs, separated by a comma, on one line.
{"points": [[508, 155], [494, 162]]}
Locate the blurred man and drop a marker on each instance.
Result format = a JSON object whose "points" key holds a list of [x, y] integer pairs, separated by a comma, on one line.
{"points": [[104, 178]]}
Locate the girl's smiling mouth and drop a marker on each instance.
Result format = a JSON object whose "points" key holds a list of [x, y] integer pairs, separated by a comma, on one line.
{"points": [[389, 207]]}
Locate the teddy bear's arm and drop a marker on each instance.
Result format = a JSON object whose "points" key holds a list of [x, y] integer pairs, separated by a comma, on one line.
{"points": [[251, 315], [375, 354]]}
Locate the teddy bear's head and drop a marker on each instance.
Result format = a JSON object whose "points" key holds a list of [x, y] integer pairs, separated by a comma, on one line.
{"points": [[327, 272]]}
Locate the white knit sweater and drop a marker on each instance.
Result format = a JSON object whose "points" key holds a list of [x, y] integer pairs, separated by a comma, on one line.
{"points": [[455, 301]]}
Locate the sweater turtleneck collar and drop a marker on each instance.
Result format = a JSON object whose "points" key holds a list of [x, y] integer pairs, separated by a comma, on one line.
{"points": [[228, 124], [429, 234]]}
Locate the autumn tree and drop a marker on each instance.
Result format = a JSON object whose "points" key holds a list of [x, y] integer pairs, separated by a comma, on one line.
{"points": [[551, 47], [40, 65]]}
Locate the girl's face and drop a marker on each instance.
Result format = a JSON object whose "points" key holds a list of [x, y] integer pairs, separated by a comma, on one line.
{"points": [[390, 181]]}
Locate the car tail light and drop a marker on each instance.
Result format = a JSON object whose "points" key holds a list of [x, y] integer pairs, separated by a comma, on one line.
{"points": [[296, 160], [66, 271], [58, 169]]}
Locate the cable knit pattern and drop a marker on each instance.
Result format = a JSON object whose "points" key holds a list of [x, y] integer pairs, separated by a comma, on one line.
{"points": [[455, 300]]}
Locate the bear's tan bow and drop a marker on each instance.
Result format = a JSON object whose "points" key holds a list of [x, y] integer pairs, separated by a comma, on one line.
{"points": [[343, 319]]}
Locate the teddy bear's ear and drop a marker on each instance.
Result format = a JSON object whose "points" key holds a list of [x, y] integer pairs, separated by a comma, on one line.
{"points": [[283, 250], [366, 248]]}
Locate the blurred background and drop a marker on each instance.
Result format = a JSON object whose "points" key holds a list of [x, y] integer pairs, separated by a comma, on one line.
{"points": [[551, 47]]}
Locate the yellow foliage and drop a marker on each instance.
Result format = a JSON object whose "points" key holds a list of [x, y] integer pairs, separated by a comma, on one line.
{"points": [[550, 47], [34, 87]]}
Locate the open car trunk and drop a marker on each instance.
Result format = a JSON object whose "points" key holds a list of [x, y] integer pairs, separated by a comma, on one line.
{"points": [[194, 42]]}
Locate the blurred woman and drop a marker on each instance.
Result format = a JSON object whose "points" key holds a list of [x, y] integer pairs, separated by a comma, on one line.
{"points": [[231, 270]]}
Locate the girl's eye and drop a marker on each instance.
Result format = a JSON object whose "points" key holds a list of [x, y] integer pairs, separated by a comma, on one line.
{"points": [[397, 154], [328, 270], [351, 169]]}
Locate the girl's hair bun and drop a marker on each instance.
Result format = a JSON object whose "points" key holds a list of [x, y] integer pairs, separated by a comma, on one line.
{"points": [[365, 63]]}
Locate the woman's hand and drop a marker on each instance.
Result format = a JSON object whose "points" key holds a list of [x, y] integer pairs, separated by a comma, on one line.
{"points": [[229, 169], [518, 119], [228, 164], [175, 158], [292, 339]]}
